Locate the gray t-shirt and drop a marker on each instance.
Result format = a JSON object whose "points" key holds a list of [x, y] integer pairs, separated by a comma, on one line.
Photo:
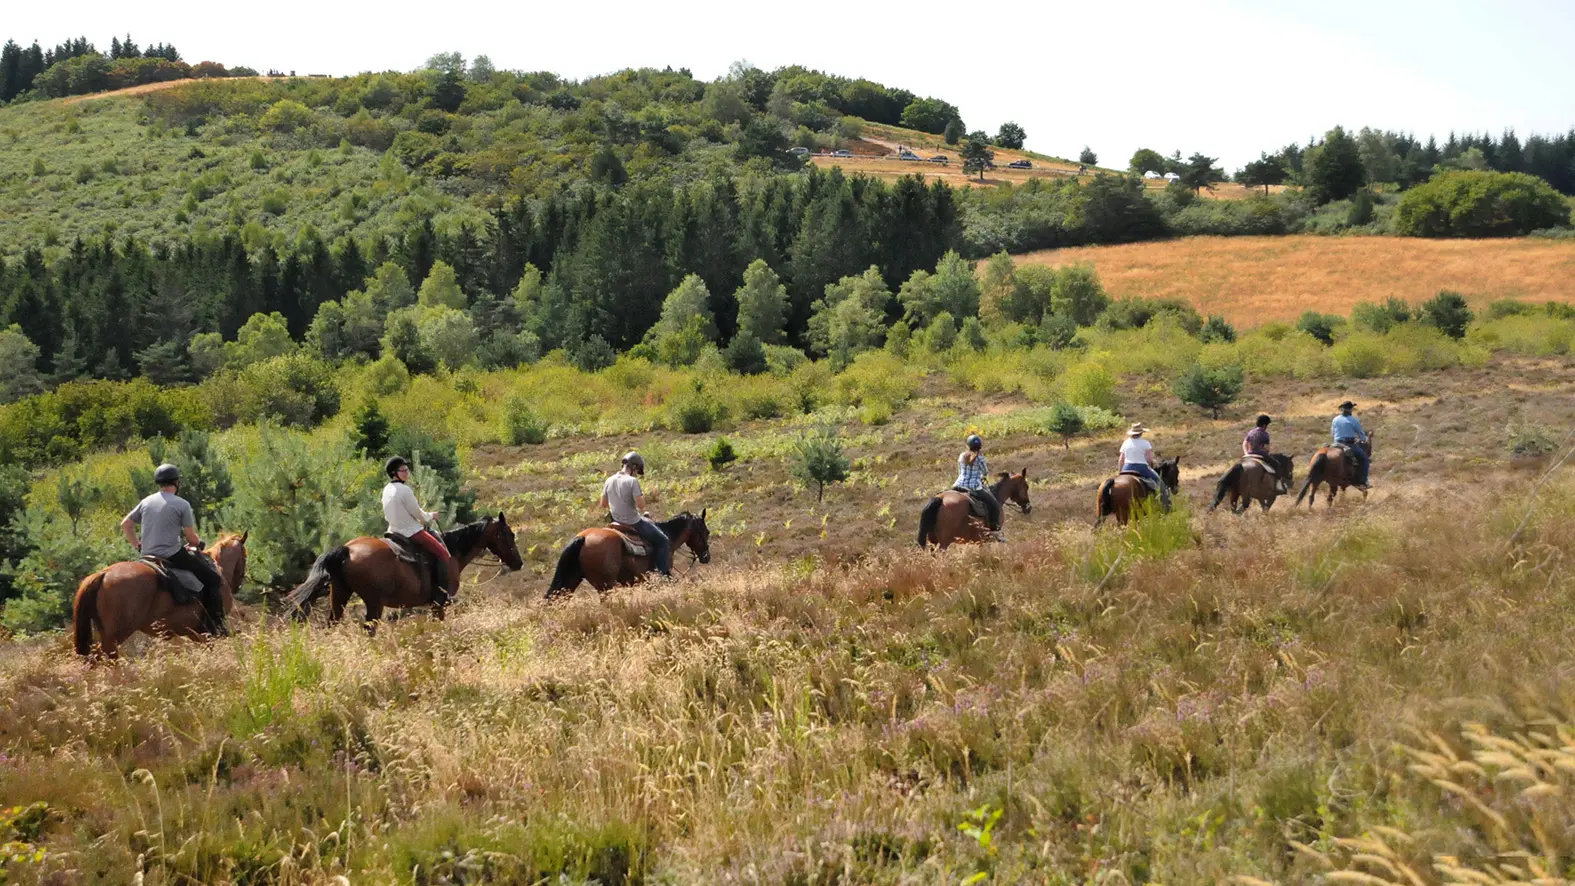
{"points": [[162, 516], [621, 490]]}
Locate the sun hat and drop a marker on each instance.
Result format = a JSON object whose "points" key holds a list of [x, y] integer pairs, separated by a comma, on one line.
{"points": [[1136, 430]]}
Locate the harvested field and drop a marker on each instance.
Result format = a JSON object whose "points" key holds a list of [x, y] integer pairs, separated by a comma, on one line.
{"points": [[1253, 280]]}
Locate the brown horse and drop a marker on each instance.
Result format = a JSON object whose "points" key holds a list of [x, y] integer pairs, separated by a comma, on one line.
{"points": [[948, 517], [1247, 481], [368, 567], [124, 598], [598, 556], [1122, 494], [1328, 466]]}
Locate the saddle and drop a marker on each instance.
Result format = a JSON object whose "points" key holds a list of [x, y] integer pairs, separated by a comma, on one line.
{"points": [[976, 505], [1261, 461], [428, 567], [633, 544], [1149, 482], [1346, 455], [182, 585]]}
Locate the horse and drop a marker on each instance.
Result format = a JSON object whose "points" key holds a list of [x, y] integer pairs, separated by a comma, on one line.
{"points": [[368, 567], [124, 598], [597, 555], [948, 517], [1248, 480], [1121, 494], [1328, 466]]}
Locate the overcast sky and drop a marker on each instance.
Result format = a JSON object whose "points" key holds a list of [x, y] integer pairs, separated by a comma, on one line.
{"points": [[1226, 77]]}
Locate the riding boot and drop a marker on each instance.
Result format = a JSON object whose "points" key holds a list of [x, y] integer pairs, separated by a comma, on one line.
{"points": [[440, 582], [1164, 498], [451, 576], [213, 615]]}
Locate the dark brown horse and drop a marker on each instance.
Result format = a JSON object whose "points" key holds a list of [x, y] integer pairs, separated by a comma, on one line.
{"points": [[1249, 481], [1122, 494], [597, 555], [948, 518], [368, 567], [1329, 466], [124, 598]]}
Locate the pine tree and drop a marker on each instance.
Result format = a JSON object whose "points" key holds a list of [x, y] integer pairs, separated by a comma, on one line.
{"points": [[371, 430], [1334, 169], [1209, 388], [976, 154], [819, 460]]}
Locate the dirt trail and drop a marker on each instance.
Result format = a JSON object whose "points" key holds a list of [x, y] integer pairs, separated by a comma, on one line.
{"points": [[151, 87]]}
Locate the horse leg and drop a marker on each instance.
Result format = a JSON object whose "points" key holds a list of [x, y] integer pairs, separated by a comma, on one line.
{"points": [[339, 598], [374, 614]]}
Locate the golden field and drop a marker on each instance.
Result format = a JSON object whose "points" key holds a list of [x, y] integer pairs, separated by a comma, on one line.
{"points": [[1253, 280]]}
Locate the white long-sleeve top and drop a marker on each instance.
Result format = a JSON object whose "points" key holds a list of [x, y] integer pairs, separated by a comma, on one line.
{"points": [[403, 512]]}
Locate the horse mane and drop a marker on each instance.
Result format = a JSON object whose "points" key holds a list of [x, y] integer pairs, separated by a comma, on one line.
{"points": [[463, 539], [225, 539], [673, 526]]}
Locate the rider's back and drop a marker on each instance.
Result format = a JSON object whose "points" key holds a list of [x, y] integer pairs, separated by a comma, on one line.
{"points": [[162, 516]]}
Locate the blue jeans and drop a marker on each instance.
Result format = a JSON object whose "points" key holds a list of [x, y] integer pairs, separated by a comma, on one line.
{"points": [[1150, 473], [1364, 462], [661, 545]]}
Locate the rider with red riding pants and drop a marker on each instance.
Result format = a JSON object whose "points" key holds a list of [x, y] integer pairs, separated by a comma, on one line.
{"points": [[164, 517], [405, 517]]}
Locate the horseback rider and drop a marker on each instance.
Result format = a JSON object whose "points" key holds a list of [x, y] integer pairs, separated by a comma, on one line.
{"points": [[405, 517], [1137, 457], [1347, 431], [1256, 443], [972, 471], [625, 500], [164, 517]]}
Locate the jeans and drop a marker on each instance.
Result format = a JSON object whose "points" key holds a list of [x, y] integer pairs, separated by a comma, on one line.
{"points": [[1151, 474], [661, 545], [1363, 460], [200, 566], [991, 505]]}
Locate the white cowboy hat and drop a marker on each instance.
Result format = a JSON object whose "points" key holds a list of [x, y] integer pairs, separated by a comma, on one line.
{"points": [[1136, 430]]}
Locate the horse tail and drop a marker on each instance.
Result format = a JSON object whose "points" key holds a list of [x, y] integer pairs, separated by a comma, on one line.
{"points": [[927, 519], [1102, 501], [568, 575], [1314, 476], [1231, 478], [84, 612], [328, 569]]}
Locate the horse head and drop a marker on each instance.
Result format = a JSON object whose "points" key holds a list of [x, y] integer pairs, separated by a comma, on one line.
{"points": [[1284, 470], [1013, 488], [229, 558], [698, 536], [499, 539], [1169, 471]]}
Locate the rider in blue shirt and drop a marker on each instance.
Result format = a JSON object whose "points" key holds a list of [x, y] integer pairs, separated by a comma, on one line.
{"points": [[1347, 431]]}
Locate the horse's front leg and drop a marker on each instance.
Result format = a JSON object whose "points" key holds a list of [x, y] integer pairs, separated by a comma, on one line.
{"points": [[374, 614]]}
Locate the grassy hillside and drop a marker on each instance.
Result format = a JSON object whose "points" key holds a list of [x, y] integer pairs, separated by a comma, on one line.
{"points": [[1188, 703], [1253, 280]]}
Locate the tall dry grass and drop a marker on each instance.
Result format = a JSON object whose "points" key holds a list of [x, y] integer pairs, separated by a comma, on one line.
{"points": [[1254, 280]]}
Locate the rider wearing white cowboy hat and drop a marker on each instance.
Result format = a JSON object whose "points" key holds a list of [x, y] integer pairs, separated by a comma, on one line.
{"points": [[1137, 457]]}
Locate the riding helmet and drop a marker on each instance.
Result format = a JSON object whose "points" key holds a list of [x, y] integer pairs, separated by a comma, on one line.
{"points": [[636, 461], [975, 443], [392, 466], [166, 475]]}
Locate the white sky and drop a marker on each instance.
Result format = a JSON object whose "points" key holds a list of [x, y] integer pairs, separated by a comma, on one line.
{"points": [[1226, 77]]}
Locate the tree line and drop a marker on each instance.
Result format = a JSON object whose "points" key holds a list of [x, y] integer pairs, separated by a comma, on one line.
{"points": [[25, 68]]}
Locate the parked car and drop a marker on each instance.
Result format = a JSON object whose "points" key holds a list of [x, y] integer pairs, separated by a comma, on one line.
{"points": [[1020, 164], [799, 151], [908, 155], [1151, 174], [940, 158], [842, 153]]}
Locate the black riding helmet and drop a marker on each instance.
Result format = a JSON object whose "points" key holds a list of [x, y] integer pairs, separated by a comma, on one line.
{"points": [[392, 466], [975, 442], [166, 475]]}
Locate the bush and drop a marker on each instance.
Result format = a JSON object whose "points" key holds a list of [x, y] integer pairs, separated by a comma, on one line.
{"points": [[1448, 313], [721, 454], [521, 425], [1510, 307], [1319, 326], [370, 430], [818, 459], [695, 411], [1090, 384], [1530, 440], [1471, 203], [1065, 422], [745, 355], [591, 354], [1217, 330], [1209, 388], [1135, 313], [1380, 318], [1360, 356], [1531, 336]]}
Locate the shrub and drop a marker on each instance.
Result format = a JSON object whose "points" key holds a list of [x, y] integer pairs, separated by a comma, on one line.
{"points": [[1209, 388], [1471, 203], [876, 377], [1530, 336], [1319, 326], [1090, 384], [1135, 313], [721, 454], [1065, 422], [818, 459], [1527, 440], [1057, 331], [521, 425], [1510, 307], [1216, 329], [1448, 313], [591, 354], [370, 430], [695, 411], [745, 355], [1359, 356], [1380, 318]]}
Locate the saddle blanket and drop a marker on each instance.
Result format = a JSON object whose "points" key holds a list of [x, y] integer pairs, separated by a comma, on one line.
{"points": [[1261, 462], [182, 585], [417, 558], [976, 506], [633, 544], [1150, 482]]}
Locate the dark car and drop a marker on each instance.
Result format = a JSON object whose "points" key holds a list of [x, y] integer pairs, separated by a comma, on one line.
{"points": [[1019, 164], [940, 158]]}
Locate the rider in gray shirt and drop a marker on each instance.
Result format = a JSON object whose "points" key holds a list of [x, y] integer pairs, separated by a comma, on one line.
{"points": [[622, 496], [165, 517]]}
